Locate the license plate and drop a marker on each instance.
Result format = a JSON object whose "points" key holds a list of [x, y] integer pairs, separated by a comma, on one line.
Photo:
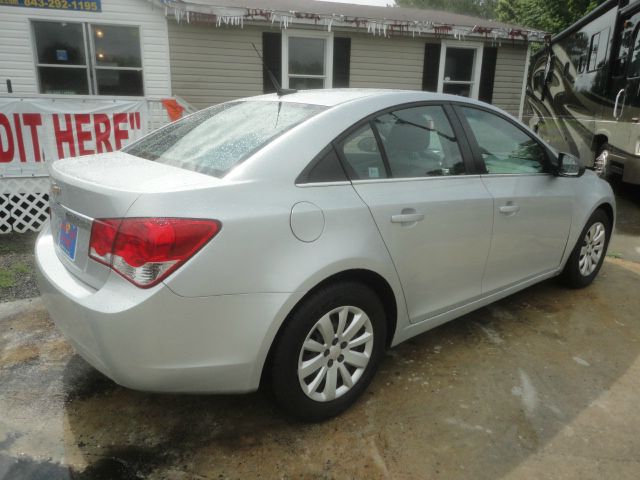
{"points": [[68, 238]]}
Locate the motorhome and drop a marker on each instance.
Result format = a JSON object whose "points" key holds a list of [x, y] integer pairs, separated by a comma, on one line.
{"points": [[583, 90]]}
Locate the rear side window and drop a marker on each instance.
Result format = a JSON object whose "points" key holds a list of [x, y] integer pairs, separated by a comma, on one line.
{"points": [[215, 140], [325, 168], [419, 142], [363, 157]]}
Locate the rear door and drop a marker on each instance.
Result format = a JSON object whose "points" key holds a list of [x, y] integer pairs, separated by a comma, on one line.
{"points": [[434, 214], [532, 208]]}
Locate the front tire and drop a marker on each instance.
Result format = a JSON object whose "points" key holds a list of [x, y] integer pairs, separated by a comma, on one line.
{"points": [[329, 351], [588, 255]]}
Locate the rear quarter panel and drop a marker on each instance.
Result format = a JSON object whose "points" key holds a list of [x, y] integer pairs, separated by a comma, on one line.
{"points": [[256, 250]]}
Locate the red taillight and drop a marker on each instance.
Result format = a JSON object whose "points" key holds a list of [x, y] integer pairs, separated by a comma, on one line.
{"points": [[146, 250]]}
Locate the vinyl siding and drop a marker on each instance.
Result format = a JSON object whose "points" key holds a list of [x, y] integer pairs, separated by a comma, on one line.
{"points": [[507, 87], [378, 62], [398, 63], [17, 53], [212, 64]]}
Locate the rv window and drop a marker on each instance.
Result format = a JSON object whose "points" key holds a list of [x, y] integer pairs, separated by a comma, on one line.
{"points": [[598, 50], [593, 52], [634, 66], [626, 38], [582, 63], [602, 48]]}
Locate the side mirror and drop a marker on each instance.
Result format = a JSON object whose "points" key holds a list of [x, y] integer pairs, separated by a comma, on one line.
{"points": [[568, 165]]}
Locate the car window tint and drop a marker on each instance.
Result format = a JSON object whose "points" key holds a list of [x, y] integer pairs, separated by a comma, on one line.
{"points": [[327, 168], [214, 140], [504, 147], [360, 150], [419, 142]]}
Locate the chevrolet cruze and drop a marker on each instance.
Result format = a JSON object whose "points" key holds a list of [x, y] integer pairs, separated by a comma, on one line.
{"points": [[288, 240]]}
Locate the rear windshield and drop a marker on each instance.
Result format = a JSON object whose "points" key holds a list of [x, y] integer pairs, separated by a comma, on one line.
{"points": [[215, 140]]}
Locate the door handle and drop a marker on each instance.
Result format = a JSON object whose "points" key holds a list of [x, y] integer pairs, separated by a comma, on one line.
{"points": [[615, 105], [509, 209], [407, 218]]}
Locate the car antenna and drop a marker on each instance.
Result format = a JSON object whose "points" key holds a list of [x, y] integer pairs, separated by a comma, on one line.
{"points": [[279, 90]]}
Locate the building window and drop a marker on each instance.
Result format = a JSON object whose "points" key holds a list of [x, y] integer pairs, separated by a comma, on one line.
{"points": [[459, 69], [88, 59], [61, 57], [307, 60]]}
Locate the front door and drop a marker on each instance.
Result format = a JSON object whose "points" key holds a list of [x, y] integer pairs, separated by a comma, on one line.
{"points": [[531, 209], [435, 219]]}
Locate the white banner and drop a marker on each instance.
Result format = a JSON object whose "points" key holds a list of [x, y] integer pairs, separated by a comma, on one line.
{"points": [[34, 131]]}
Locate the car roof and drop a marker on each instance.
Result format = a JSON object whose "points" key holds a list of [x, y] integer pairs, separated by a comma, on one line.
{"points": [[337, 96]]}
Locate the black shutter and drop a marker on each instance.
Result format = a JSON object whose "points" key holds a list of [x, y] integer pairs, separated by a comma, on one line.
{"points": [[272, 55], [341, 61], [431, 67], [487, 74]]}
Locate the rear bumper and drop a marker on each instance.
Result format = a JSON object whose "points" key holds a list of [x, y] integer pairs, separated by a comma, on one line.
{"points": [[155, 340]]}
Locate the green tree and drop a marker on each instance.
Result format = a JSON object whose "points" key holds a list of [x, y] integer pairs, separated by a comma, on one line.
{"points": [[475, 8], [551, 16]]}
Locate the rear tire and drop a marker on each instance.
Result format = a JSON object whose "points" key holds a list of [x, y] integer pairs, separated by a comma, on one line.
{"points": [[329, 351], [588, 254]]}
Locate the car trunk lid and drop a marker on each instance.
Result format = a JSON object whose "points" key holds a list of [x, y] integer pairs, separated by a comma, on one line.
{"points": [[104, 186]]}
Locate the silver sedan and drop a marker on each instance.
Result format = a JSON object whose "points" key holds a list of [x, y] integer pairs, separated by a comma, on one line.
{"points": [[288, 240]]}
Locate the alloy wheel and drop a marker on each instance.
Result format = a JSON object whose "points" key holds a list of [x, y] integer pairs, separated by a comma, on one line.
{"points": [[335, 353], [592, 249]]}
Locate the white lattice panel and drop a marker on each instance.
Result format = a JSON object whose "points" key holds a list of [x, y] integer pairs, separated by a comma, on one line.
{"points": [[23, 204], [29, 212], [5, 213], [15, 185]]}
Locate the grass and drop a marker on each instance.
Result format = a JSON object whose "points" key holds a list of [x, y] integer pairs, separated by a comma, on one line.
{"points": [[17, 242], [21, 267], [7, 278]]}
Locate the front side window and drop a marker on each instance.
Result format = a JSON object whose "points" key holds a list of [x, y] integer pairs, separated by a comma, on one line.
{"points": [[307, 60], [504, 147], [215, 140], [87, 59], [419, 142]]}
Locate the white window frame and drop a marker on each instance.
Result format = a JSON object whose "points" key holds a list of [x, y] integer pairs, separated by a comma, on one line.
{"points": [[476, 70], [36, 60], [328, 55], [90, 65], [91, 26]]}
